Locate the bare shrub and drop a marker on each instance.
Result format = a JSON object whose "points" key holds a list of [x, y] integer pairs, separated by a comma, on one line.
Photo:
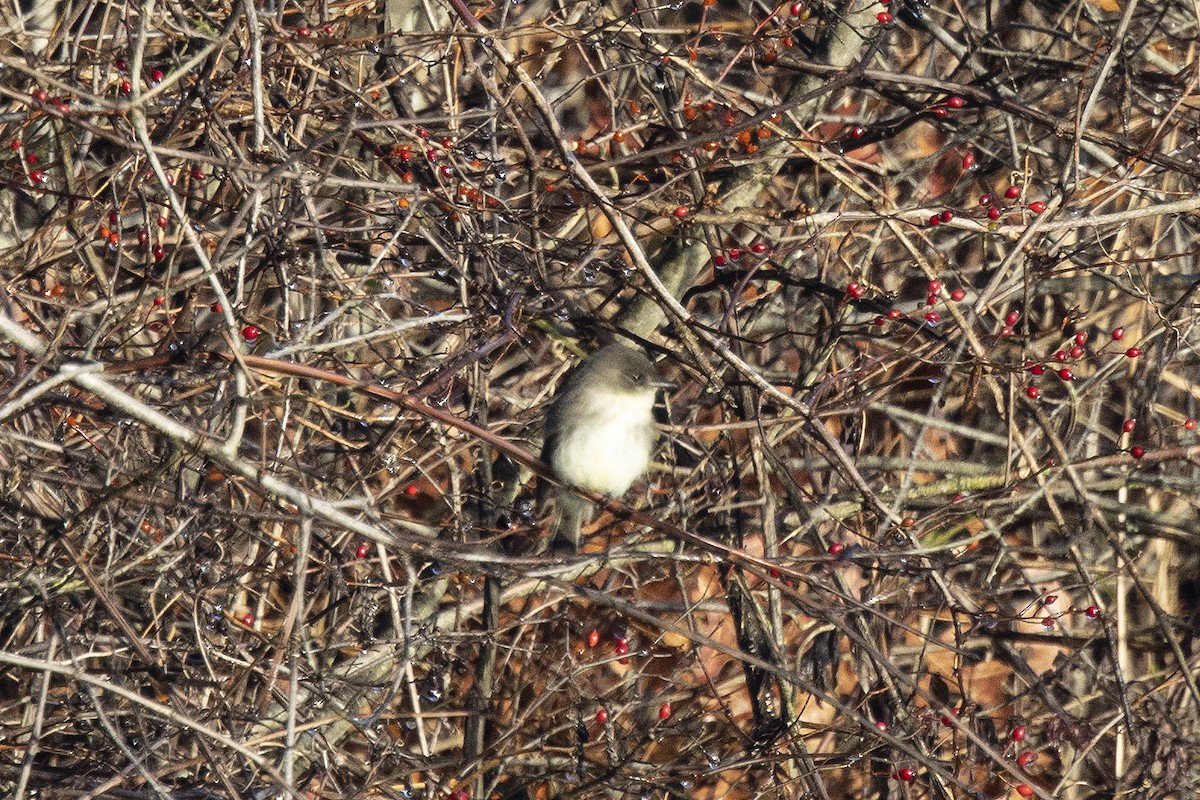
{"points": [[285, 290]]}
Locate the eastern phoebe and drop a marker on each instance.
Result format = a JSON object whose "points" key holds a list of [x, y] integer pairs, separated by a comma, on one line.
{"points": [[600, 432]]}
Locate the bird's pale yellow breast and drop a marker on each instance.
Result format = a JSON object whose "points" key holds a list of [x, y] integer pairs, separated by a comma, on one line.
{"points": [[608, 444]]}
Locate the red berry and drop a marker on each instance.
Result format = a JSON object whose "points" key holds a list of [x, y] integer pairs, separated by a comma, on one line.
{"points": [[1037, 369], [985, 199], [602, 715], [304, 31], [126, 86], [159, 252], [933, 318], [1050, 600], [1006, 331], [1128, 425], [362, 550], [934, 287], [968, 162], [857, 132], [1025, 790], [1037, 206], [216, 307], [1027, 758], [593, 637], [881, 726], [735, 253], [40, 95], [1118, 334], [759, 247], [1060, 356], [1093, 612], [946, 215], [143, 237], [907, 775], [622, 647], [884, 18], [156, 75], [14, 145], [1048, 622], [879, 322], [37, 176], [162, 221], [836, 549], [993, 213], [1137, 451], [1189, 424], [796, 9], [935, 220], [1012, 192], [958, 295], [1012, 317], [412, 490], [1076, 351], [247, 619], [197, 174], [894, 314], [1066, 374], [940, 112], [1032, 392], [447, 171], [1081, 338], [931, 300], [251, 332], [327, 30], [1133, 352], [854, 290], [955, 101], [158, 301], [664, 711], [718, 261], [1018, 733], [680, 212]]}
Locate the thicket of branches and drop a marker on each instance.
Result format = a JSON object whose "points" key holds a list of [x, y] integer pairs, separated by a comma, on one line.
{"points": [[285, 289]]}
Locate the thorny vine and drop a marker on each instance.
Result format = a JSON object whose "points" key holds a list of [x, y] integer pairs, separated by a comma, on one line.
{"points": [[284, 290]]}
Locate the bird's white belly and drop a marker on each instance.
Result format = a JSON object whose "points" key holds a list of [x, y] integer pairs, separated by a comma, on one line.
{"points": [[602, 451]]}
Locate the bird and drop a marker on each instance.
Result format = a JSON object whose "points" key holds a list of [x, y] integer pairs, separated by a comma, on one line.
{"points": [[599, 433]]}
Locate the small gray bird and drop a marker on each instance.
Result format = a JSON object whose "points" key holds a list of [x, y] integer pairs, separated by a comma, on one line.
{"points": [[600, 432]]}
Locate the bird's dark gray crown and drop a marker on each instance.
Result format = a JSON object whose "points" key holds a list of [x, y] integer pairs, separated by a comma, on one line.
{"points": [[623, 368]]}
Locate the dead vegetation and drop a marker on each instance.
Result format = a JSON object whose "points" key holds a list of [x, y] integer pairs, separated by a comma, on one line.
{"points": [[284, 291]]}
